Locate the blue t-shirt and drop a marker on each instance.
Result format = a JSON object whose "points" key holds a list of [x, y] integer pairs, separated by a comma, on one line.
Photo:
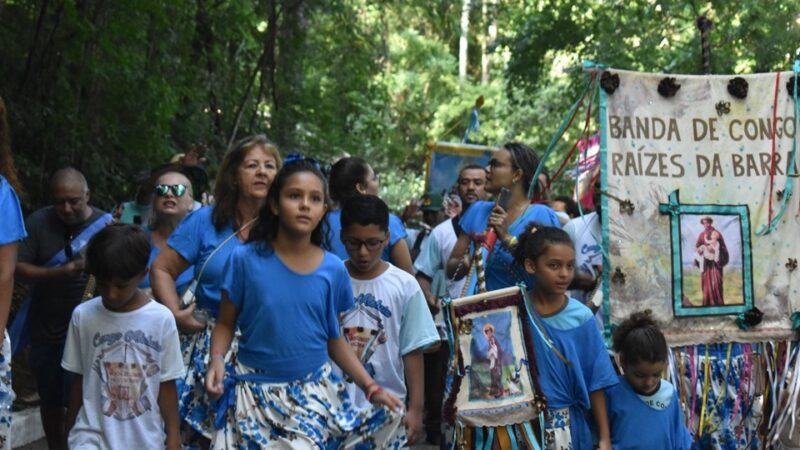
{"points": [[501, 271], [397, 231], [195, 239], [286, 318], [183, 279], [658, 415], [12, 227], [573, 332]]}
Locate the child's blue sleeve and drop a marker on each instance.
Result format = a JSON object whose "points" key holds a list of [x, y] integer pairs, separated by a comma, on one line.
{"points": [[233, 281], [417, 330]]}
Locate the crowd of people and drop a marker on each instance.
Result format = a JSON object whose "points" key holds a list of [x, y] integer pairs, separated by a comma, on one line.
{"points": [[291, 309]]}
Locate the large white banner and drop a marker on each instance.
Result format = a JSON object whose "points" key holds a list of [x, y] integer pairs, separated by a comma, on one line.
{"points": [[698, 222]]}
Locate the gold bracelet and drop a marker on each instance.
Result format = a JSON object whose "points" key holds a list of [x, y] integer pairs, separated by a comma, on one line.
{"points": [[511, 242]]}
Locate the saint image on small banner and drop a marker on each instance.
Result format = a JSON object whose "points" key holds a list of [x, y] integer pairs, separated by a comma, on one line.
{"points": [[711, 250], [494, 372]]}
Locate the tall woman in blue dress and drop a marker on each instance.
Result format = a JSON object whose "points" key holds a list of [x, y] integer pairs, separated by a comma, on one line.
{"points": [[205, 240], [353, 176], [511, 167], [12, 230]]}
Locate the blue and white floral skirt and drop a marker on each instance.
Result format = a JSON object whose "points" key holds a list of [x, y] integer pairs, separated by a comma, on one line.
{"points": [[313, 412], [6, 394], [196, 409], [557, 435]]}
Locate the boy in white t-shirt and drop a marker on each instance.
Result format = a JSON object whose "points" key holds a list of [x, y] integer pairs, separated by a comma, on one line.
{"points": [[390, 325], [124, 350]]}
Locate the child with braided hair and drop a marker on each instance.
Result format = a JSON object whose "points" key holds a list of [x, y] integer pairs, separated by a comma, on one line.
{"points": [[642, 400]]}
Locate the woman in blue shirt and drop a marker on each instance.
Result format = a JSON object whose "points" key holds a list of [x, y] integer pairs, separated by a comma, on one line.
{"points": [[353, 176], [205, 240], [12, 230], [511, 167]]}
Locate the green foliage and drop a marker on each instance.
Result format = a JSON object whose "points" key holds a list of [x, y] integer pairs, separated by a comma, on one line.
{"points": [[115, 88]]}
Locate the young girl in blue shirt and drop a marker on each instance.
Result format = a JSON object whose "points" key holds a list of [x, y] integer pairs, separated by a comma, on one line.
{"points": [[643, 410], [285, 294], [571, 359]]}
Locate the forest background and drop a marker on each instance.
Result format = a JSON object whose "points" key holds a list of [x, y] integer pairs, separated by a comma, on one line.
{"points": [[115, 87]]}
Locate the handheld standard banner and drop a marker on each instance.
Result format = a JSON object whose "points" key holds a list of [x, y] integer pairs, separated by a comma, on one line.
{"points": [[494, 396], [446, 159]]}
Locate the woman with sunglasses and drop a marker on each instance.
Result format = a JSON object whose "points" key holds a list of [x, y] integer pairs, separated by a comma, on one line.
{"points": [[512, 167], [173, 200], [353, 176], [205, 240]]}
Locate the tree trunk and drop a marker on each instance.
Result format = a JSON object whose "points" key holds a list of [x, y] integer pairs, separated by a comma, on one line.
{"points": [[489, 10], [462, 42]]}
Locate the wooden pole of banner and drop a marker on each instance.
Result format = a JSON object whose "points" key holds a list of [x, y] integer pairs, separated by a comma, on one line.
{"points": [[704, 24]]}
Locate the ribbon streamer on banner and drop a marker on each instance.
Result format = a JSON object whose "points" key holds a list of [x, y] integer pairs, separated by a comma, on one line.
{"points": [[791, 172]]}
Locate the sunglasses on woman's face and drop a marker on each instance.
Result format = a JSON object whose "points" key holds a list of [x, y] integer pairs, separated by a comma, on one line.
{"points": [[177, 190]]}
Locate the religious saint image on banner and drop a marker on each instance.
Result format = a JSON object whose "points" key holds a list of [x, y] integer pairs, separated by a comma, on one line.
{"points": [[711, 250], [493, 369]]}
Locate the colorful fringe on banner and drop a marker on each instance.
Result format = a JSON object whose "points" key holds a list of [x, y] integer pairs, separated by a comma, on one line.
{"points": [[739, 396]]}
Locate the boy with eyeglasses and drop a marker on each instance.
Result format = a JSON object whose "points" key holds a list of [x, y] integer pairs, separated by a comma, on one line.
{"points": [[390, 325]]}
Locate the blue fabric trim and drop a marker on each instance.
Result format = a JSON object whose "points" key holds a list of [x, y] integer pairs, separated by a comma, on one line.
{"points": [[18, 329], [531, 435], [530, 310], [478, 441], [473, 125], [489, 439], [448, 324], [606, 309], [674, 208], [512, 437]]}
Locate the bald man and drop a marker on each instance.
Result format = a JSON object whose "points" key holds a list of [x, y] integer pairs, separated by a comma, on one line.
{"points": [[51, 260]]}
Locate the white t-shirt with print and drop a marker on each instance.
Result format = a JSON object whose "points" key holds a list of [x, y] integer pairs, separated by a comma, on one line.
{"points": [[586, 236], [123, 358], [390, 320], [435, 253], [587, 239]]}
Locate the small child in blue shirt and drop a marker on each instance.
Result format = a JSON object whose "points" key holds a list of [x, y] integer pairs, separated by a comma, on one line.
{"points": [[644, 411], [286, 294], [390, 325]]}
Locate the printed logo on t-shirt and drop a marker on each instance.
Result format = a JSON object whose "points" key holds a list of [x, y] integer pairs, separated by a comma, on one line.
{"points": [[363, 328], [125, 365]]}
